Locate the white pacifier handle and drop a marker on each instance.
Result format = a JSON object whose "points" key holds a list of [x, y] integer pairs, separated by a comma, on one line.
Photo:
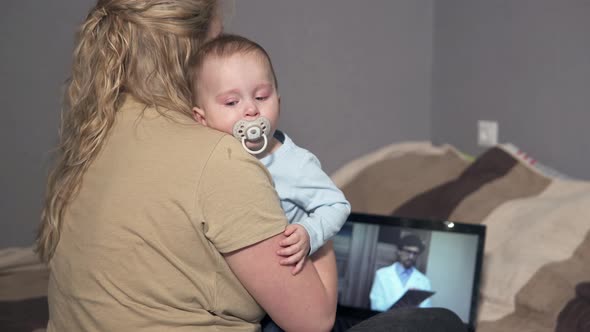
{"points": [[252, 131], [259, 151]]}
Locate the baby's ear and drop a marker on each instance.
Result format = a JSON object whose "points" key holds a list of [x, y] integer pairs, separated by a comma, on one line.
{"points": [[199, 116]]}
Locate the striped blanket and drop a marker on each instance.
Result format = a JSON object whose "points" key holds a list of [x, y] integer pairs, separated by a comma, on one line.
{"points": [[537, 254], [536, 270]]}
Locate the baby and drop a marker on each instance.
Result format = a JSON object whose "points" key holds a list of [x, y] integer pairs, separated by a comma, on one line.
{"points": [[235, 91]]}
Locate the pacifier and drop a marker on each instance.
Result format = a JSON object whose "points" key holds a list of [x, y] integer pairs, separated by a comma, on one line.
{"points": [[252, 131]]}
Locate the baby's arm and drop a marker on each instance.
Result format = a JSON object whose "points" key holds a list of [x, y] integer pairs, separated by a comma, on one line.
{"points": [[327, 208], [324, 208]]}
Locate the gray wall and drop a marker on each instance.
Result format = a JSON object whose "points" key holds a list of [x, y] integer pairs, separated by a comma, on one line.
{"points": [[353, 75], [36, 39], [352, 78], [523, 63]]}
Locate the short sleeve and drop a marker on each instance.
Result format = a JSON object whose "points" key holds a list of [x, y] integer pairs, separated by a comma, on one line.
{"points": [[238, 203]]}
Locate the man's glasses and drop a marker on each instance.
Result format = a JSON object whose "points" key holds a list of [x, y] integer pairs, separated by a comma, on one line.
{"points": [[410, 252]]}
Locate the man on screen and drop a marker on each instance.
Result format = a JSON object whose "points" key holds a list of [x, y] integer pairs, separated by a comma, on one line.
{"points": [[391, 282]]}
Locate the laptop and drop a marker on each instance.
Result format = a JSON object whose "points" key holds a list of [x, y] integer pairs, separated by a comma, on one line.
{"points": [[387, 262]]}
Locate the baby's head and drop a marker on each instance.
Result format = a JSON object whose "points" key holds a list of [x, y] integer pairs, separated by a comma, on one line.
{"points": [[232, 80]]}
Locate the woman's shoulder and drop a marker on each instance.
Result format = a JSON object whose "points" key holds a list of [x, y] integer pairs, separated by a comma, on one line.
{"points": [[164, 124], [166, 137]]}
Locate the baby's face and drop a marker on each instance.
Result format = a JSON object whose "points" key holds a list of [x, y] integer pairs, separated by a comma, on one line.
{"points": [[237, 87]]}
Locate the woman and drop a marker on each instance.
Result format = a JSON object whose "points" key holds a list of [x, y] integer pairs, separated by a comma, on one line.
{"points": [[153, 222]]}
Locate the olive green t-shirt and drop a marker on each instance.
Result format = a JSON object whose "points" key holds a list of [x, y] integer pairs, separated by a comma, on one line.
{"points": [[142, 241]]}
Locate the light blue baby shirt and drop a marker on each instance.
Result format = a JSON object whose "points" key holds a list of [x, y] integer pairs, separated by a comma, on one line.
{"points": [[308, 195]]}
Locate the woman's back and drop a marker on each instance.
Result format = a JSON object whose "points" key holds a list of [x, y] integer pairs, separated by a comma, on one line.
{"points": [[141, 245], [144, 215]]}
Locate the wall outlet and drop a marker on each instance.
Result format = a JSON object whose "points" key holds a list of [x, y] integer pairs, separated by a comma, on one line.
{"points": [[487, 133]]}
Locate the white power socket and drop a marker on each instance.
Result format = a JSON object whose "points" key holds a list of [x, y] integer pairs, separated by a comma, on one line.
{"points": [[487, 133]]}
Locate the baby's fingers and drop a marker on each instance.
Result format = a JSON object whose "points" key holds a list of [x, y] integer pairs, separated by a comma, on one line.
{"points": [[298, 267], [290, 229], [293, 259], [289, 251], [290, 240]]}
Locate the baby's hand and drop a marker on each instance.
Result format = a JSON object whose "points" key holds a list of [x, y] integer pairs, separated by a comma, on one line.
{"points": [[296, 247]]}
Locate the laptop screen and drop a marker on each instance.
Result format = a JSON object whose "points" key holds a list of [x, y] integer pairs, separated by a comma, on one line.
{"points": [[388, 262]]}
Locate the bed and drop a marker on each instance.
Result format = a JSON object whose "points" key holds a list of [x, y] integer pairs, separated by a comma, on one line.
{"points": [[536, 274]]}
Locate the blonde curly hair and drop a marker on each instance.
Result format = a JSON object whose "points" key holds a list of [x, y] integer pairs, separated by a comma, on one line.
{"points": [[136, 47]]}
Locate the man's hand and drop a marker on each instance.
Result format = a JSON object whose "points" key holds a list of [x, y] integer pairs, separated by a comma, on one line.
{"points": [[295, 247]]}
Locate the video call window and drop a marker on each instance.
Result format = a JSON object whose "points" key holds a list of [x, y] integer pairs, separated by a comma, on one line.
{"points": [[441, 262]]}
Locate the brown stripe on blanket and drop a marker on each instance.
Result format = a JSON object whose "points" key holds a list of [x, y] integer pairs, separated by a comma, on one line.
{"points": [[575, 317], [23, 295], [518, 321], [552, 298], [23, 284], [494, 178], [389, 183], [24, 315], [553, 285]]}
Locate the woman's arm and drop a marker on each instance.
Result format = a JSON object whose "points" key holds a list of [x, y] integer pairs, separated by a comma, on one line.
{"points": [[304, 302], [324, 261], [239, 212]]}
